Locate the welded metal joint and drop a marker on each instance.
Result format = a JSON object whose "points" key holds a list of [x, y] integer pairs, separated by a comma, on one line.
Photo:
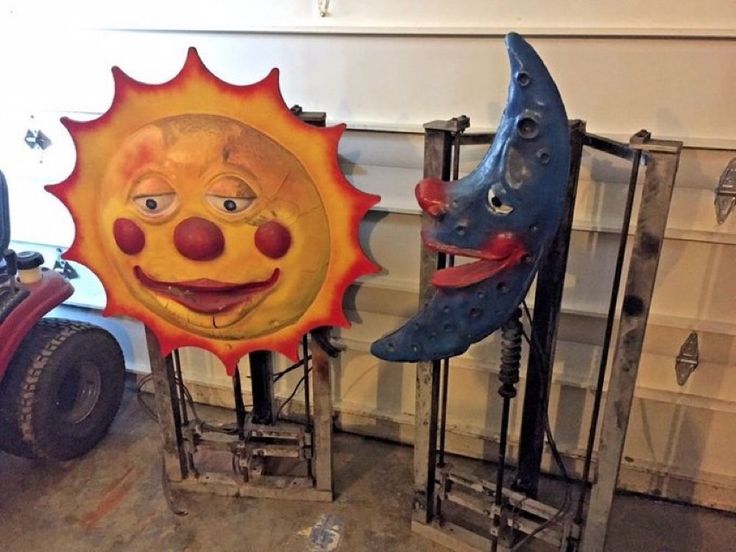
{"points": [[688, 359], [726, 192]]}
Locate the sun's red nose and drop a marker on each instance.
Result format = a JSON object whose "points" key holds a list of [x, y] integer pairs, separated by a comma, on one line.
{"points": [[432, 196], [199, 239]]}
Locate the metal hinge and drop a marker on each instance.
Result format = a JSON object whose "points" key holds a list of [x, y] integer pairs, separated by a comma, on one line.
{"points": [[36, 139], [688, 359], [726, 192]]}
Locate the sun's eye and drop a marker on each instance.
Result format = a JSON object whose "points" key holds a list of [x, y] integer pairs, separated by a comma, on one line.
{"points": [[229, 204], [497, 205], [230, 194], [154, 196]]}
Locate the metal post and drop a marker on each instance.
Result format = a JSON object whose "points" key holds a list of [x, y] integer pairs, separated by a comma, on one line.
{"points": [[322, 419], [547, 303], [167, 409], [449, 262], [305, 371], [240, 413], [612, 303], [662, 158], [437, 156], [261, 383]]}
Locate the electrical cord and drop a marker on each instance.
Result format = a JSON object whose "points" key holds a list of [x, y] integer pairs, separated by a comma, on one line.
{"points": [[225, 429], [567, 502], [139, 396], [293, 393], [278, 375]]}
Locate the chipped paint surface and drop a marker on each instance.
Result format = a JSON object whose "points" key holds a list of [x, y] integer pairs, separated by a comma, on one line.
{"points": [[325, 535]]}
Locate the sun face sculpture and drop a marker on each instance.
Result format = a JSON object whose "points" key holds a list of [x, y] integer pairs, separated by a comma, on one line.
{"points": [[214, 215]]}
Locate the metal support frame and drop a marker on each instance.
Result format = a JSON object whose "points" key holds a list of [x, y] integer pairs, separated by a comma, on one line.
{"points": [[264, 452], [438, 141], [256, 448], [435, 482], [547, 303], [662, 159]]}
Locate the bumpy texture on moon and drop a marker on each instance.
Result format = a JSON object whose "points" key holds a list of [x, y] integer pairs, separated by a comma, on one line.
{"points": [[503, 215]]}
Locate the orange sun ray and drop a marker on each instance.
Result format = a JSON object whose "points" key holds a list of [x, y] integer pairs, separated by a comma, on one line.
{"points": [[213, 214]]}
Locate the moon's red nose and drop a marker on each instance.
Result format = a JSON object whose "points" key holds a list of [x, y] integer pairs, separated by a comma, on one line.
{"points": [[432, 196], [199, 239]]}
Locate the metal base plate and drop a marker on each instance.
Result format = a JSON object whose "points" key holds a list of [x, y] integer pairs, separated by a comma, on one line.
{"points": [[452, 536], [280, 487]]}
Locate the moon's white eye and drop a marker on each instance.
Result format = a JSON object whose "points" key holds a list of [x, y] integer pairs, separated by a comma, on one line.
{"points": [[229, 204], [497, 205], [155, 204]]}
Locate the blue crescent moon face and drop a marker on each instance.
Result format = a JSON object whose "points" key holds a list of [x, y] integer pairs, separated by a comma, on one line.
{"points": [[503, 215]]}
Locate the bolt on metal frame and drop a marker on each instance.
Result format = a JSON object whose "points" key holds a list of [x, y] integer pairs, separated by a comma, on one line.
{"points": [[434, 480]]}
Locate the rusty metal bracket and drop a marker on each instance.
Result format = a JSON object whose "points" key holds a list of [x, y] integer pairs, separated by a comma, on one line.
{"points": [[455, 125], [688, 359], [726, 192]]}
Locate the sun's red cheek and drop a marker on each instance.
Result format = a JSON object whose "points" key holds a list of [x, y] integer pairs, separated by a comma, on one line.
{"points": [[273, 239], [128, 236]]}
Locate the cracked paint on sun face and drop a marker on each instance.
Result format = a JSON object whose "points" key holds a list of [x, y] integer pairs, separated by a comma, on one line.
{"points": [[231, 236]]}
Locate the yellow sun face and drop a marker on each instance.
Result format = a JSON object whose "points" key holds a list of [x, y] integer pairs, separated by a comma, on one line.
{"points": [[214, 215]]}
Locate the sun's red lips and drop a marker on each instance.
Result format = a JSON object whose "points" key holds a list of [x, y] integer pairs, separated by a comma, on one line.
{"points": [[501, 252], [207, 296]]}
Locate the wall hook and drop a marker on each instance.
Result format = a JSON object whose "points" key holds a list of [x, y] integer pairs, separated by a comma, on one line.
{"points": [[324, 7]]}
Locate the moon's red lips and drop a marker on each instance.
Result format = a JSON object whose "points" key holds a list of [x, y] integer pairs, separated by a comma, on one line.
{"points": [[207, 296], [501, 252]]}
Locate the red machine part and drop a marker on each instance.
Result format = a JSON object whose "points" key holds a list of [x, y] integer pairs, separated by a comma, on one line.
{"points": [[46, 294]]}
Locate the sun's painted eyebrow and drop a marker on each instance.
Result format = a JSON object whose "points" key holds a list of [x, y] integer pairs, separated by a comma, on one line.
{"points": [[230, 185], [232, 167], [151, 184]]}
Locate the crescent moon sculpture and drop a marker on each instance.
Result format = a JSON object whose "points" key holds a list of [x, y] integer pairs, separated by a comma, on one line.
{"points": [[503, 215]]}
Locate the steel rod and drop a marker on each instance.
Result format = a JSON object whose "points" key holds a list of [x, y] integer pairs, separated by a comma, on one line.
{"points": [[239, 404], [173, 390], [636, 160], [305, 366], [182, 392], [443, 397], [450, 262], [307, 405], [502, 444], [500, 471]]}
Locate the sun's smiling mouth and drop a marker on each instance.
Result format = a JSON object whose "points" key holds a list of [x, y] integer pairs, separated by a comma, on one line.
{"points": [[502, 252], [208, 296]]}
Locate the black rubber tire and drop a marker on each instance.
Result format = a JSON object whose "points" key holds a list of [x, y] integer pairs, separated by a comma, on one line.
{"points": [[43, 412]]}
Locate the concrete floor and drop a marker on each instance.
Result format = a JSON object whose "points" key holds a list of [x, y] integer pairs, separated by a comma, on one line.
{"points": [[112, 500]]}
